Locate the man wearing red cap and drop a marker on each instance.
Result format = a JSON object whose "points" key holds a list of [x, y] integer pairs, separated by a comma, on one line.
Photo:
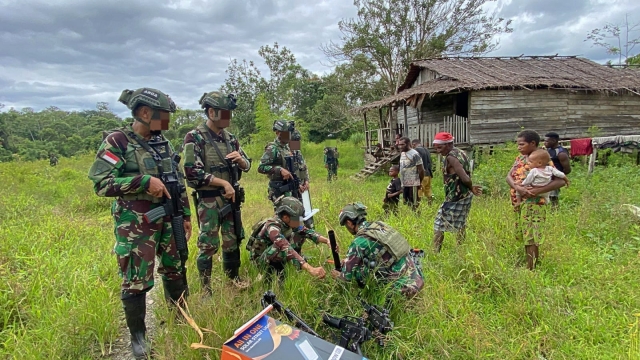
{"points": [[458, 188]]}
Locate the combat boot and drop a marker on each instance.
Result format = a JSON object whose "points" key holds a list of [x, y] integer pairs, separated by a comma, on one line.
{"points": [[231, 266], [204, 270], [135, 308], [175, 292]]}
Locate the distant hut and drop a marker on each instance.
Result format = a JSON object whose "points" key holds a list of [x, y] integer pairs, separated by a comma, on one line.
{"points": [[487, 100]]}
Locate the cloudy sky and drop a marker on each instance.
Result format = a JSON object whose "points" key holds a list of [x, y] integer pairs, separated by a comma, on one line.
{"points": [[75, 53]]}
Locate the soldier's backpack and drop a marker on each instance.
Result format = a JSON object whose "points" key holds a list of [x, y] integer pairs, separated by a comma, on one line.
{"points": [[332, 153], [255, 231], [393, 242]]}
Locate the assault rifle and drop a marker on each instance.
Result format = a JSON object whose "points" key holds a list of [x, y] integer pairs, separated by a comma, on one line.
{"points": [[269, 298], [292, 185], [334, 252], [355, 331], [234, 206], [170, 207]]}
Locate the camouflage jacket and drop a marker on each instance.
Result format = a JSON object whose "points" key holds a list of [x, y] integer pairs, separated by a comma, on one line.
{"points": [[275, 232], [195, 172], [109, 166], [273, 159], [358, 264]]}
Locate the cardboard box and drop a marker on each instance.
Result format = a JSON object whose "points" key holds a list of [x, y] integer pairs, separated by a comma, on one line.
{"points": [[264, 337]]}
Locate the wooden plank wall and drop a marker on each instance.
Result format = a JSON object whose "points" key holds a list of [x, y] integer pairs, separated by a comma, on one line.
{"points": [[433, 110], [498, 115]]}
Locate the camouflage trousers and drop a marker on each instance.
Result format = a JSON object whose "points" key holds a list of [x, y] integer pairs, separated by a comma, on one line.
{"points": [[265, 254], [137, 245], [332, 171], [211, 226]]}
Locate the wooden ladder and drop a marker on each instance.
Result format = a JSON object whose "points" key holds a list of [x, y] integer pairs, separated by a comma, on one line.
{"points": [[372, 168]]}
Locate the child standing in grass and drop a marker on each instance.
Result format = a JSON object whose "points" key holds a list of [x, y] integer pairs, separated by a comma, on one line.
{"points": [[531, 211], [394, 189]]}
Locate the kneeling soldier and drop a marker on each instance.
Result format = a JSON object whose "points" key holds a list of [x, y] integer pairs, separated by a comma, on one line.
{"points": [[377, 250], [269, 244]]}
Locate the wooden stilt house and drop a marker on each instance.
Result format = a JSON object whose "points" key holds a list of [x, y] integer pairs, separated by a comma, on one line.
{"points": [[488, 100]]}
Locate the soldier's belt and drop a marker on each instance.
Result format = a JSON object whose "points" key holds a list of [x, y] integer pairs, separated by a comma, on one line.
{"points": [[209, 193]]}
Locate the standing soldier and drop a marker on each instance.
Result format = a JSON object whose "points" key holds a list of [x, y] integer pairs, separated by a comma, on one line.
{"points": [[53, 160], [137, 165], [283, 179], [331, 161], [213, 158]]}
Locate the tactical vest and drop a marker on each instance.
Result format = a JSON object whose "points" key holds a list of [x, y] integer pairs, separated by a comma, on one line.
{"points": [[256, 245], [394, 243], [213, 163], [279, 161], [138, 161], [332, 154]]}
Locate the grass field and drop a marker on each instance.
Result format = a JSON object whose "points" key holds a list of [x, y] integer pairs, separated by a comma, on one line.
{"points": [[59, 295]]}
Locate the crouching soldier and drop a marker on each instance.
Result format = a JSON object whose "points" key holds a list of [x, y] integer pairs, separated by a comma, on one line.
{"points": [[379, 251], [269, 245]]}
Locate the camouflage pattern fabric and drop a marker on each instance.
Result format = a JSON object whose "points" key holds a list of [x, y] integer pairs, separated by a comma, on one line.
{"points": [[301, 167], [209, 221], [402, 274], [273, 245], [137, 245], [211, 226], [137, 242], [194, 169], [454, 188], [271, 162], [332, 163]]}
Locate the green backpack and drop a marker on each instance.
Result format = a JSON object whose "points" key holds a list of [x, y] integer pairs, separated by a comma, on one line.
{"points": [[393, 242]]}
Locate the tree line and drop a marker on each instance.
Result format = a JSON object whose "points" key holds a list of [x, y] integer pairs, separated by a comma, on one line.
{"points": [[369, 61]]}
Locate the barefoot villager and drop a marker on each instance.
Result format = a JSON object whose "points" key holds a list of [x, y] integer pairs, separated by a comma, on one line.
{"points": [[212, 158], [531, 213], [136, 165], [425, 184], [411, 172], [378, 251], [459, 190]]}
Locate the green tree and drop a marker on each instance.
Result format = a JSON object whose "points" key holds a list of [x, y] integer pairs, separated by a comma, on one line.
{"points": [[387, 35]]}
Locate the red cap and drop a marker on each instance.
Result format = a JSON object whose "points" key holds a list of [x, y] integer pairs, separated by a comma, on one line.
{"points": [[443, 138]]}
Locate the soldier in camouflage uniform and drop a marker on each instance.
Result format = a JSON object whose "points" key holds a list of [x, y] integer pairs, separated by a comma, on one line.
{"points": [[126, 168], [206, 149], [301, 171], [269, 245], [379, 251], [331, 162], [273, 162]]}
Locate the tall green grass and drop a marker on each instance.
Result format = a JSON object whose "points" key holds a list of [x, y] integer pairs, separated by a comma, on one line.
{"points": [[59, 290]]}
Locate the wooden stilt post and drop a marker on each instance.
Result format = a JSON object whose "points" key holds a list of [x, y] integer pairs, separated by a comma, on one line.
{"points": [[592, 160], [367, 140]]}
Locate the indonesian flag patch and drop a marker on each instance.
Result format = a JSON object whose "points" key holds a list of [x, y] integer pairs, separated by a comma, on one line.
{"points": [[109, 157]]}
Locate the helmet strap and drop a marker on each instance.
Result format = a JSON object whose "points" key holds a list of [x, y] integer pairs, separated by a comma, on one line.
{"points": [[138, 119]]}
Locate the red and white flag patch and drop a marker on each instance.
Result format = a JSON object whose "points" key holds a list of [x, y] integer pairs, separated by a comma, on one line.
{"points": [[109, 157]]}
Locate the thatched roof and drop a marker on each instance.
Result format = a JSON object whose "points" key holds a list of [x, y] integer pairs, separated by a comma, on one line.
{"points": [[476, 73]]}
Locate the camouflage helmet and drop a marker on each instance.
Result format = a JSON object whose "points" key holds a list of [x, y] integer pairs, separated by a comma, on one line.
{"points": [[290, 205], [353, 212], [296, 136], [218, 100], [284, 125], [152, 98]]}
